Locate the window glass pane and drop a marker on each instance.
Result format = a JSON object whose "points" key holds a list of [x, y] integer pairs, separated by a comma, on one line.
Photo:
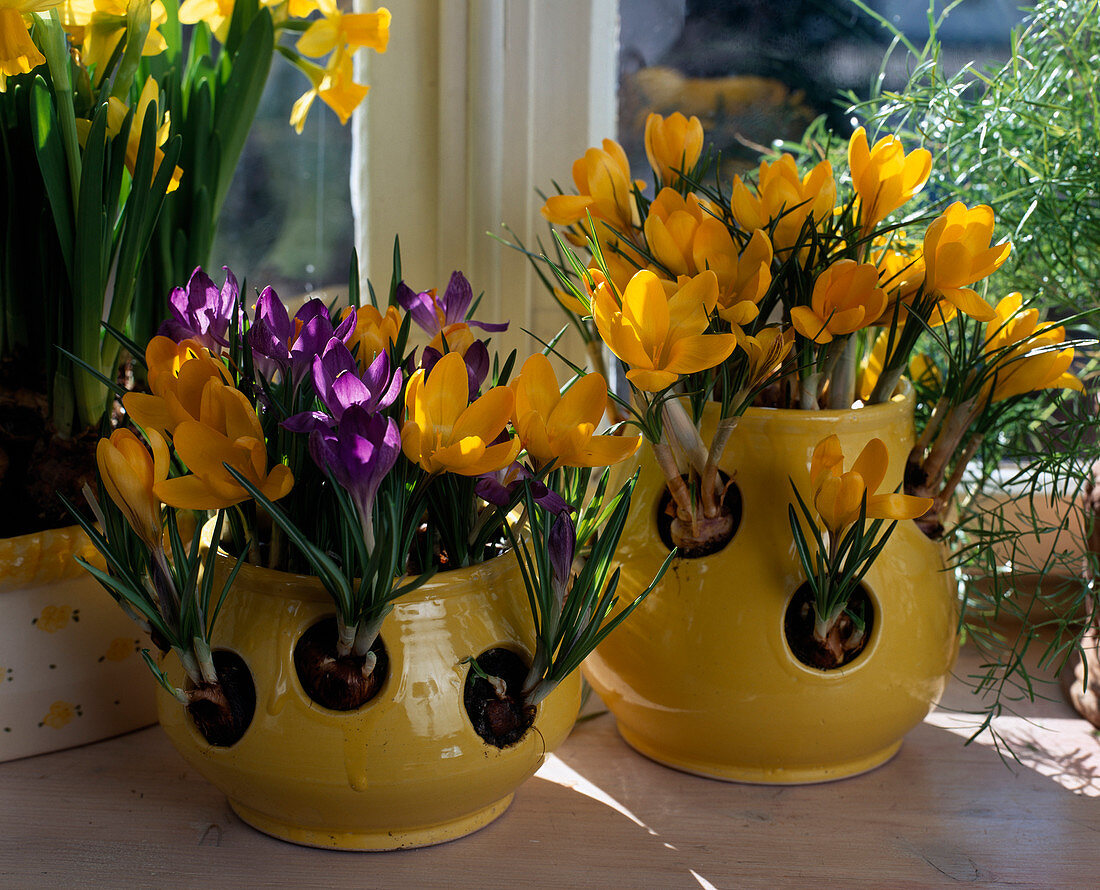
{"points": [[287, 218], [754, 71]]}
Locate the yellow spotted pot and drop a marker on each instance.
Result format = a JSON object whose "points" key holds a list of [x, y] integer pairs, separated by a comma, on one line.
{"points": [[405, 770], [70, 665], [701, 676]]}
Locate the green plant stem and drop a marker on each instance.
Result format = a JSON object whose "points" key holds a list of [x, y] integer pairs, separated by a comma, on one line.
{"points": [[930, 428], [954, 428], [842, 376], [685, 434], [56, 50], [710, 484], [676, 486], [808, 386]]}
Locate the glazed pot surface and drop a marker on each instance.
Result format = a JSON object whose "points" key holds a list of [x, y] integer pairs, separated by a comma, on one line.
{"points": [[70, 668], [701, 677], [407, 768]]}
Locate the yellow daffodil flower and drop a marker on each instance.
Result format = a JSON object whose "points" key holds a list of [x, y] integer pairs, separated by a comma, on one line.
{"points": [[349, 31], [1026, 356], [129, 473], [99, 25], [670, 230], [227, 431], [335, 86], [957, 252], [672, 143], [884, 177], [444, 432], [558, 429], [116, 117], [846, 297], [604, 189], [18, 54], [743, 278], [373, 333], [299, 9], [658, 328], [178, 374], [838, 495], [785, 198], [215, 13]]}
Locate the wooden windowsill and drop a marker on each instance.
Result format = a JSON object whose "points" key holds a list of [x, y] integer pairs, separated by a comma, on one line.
{"points": [[129, 812]]}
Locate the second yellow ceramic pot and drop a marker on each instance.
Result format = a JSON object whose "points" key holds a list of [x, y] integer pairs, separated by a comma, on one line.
{"points": [[407, 769], [701, 676]]}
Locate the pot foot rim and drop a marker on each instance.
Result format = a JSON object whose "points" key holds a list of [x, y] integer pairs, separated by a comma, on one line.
{"points": [[758, 775], [374, 840]]}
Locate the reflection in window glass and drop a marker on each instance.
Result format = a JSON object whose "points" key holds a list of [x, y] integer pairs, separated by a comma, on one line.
{"points": [[287, 218], [756, 71]]}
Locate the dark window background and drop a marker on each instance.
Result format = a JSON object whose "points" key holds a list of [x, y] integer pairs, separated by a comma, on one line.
{"points": [[287, 218], [755, 71]]}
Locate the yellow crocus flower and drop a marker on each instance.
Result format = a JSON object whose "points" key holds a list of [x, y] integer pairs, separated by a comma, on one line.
{"points": [[784, 198], [349, 31], [1026, 357], [670, 230], [129, 473], [766, 352], [604, 189], [957, 253], [18, 54], [226, 431], [672, 143], [444, 432], [838, 495], [658, 328], [373, 333], [558, 429], [178, 374], [743, 278], [846, 297], [884, 177]]}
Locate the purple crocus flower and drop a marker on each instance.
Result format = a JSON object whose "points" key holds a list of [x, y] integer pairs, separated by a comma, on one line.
{"points": [[291, 345], [202, 311], [338, 385], [477, 363], [499, 490], [434, 313], [562, 543], [359, 453]]}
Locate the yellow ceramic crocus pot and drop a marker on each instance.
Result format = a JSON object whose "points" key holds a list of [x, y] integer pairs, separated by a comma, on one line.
{"points": [[406, 769], [701, 676]]}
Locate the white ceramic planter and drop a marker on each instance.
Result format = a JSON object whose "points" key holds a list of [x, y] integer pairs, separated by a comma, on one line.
{"points": [[70, 668]]}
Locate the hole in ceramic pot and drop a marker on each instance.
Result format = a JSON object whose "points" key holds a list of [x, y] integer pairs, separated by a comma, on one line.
{"points": [[223, 712], [842, 644], [338, 682], [501, 720], [712, 538]]}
